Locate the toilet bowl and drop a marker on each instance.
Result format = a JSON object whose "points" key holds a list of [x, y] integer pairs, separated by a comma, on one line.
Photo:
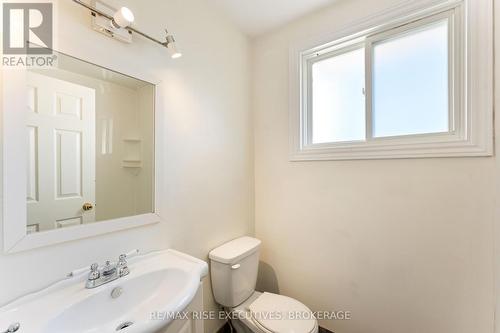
{"points": [[250, 316], [234, 268]]}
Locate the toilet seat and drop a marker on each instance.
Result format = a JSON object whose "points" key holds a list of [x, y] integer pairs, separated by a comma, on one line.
{"points": [[280, 314]]}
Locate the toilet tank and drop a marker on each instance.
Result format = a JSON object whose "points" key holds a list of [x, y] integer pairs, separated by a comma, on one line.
{"points": [[233, 269]]}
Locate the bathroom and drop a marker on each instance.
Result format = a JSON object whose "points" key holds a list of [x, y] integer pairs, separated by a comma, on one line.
{"points": [[400, 236]]}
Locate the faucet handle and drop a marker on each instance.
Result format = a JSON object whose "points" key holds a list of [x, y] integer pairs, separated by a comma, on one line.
{"points": [[13, 328], [122, 265], [94, 272]]}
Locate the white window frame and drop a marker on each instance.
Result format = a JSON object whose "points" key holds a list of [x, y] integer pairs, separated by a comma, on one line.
{"points": [[471, 83]]}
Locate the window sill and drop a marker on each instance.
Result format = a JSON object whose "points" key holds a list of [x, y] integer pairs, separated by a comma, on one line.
{"points": [[392, 149]]}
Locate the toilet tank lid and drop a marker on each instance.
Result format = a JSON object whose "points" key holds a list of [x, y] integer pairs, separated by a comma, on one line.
{"points": [[235, 250]]}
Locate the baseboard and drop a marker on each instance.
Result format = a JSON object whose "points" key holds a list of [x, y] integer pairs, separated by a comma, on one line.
{"points": [[227, 329]]}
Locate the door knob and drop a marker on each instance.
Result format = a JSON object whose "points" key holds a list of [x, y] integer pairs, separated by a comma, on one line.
{"points": [[87, 206]]}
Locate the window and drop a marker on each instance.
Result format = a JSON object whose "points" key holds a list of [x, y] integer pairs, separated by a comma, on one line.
{"points": [[398, 89]]}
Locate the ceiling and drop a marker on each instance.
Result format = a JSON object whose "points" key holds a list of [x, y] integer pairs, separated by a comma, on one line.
{"points": [[255, 17]]}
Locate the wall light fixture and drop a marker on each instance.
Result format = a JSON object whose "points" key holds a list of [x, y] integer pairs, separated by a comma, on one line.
{"points": [[119, 26]]}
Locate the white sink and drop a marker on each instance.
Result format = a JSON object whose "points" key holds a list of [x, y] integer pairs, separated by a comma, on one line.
{"points": [[164, 282]]}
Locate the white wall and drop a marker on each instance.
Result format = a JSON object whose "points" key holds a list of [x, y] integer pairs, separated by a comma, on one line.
{"points": [[206, 184], [405, 245]]}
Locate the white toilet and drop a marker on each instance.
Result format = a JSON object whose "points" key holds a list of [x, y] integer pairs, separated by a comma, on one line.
{"points": [[234, 268]]}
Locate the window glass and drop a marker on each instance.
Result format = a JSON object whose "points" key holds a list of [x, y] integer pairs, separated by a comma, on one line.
{"points": [[410, 83], [338, 103]]}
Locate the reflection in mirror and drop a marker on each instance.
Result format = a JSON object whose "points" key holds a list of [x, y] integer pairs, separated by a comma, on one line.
{"points": [[90, 136]]}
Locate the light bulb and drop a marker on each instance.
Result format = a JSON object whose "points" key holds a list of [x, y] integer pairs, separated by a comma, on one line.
{"points": [[174, 53], [123, 18], [170, 45]]}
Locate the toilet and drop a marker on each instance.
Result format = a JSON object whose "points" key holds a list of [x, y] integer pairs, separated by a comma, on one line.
{"points": [[234, 268]]}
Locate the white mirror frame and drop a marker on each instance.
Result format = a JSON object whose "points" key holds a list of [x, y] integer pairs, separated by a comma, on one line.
{"points": [[15, 236]]}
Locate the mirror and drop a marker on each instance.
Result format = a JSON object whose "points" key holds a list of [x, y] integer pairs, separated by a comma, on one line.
{"points": [[90, 137]]}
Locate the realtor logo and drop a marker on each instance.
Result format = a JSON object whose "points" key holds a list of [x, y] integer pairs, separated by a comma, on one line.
{"points": [[27, 28]]}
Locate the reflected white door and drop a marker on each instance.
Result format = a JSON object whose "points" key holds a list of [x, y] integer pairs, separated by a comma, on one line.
{"points": [[61, 154]]}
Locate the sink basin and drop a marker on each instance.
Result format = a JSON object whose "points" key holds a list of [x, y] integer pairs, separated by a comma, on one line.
{"points": [[161, 282]]}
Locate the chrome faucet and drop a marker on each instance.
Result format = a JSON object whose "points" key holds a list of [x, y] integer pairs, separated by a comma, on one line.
{"points": [[13, 328], [109, 272]]}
